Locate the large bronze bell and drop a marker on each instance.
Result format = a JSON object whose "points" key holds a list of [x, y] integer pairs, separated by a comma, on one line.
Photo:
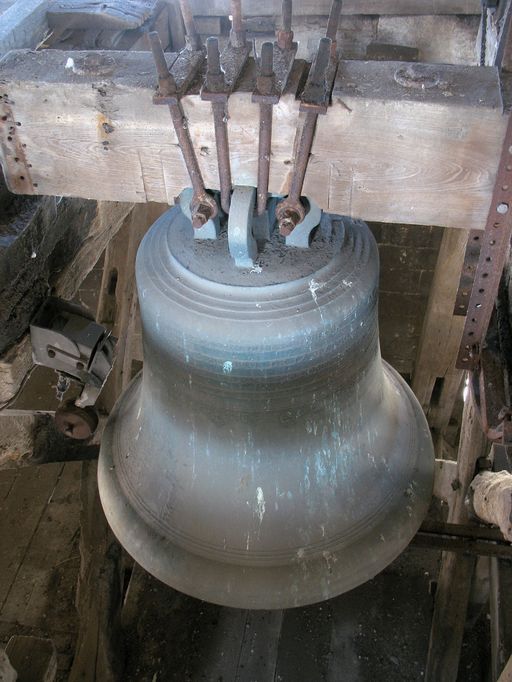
{"points": [[266, 457]]}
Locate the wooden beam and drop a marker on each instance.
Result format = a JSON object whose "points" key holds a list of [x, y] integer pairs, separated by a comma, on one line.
{"points": [[441, 335], [119, 309], [23, 24], [384, 151], [456, 570], [302, 7]]}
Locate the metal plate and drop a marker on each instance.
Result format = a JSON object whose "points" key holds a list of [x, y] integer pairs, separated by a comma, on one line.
{"points": [[494, 247], [467, 276]]}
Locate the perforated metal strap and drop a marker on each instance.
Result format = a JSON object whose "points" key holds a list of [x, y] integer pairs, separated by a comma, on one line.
{"points": [[494, 244]]}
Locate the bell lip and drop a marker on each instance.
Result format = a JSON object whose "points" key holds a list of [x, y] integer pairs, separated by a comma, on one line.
{"points": [[163, 559]]}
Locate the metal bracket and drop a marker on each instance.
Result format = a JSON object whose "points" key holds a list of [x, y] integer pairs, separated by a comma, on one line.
{"points": [[241, 241], [495, 241], [66, 338], [301, 234]]}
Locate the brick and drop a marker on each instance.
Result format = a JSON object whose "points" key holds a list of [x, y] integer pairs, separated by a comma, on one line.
{"points": [[411, 257]]}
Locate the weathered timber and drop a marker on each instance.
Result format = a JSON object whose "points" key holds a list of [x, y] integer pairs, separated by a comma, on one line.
{"points": [[34, 658], [441, 335], [99, 648], [456, 570], [37, 239], [384, 151], [117, 15], [301, 7], [500, 607], [23, 25]]}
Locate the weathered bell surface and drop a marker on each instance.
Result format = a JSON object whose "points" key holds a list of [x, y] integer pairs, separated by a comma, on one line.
{"points": [[266, 457]]}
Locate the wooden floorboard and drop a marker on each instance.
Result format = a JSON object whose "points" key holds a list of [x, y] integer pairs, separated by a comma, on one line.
{"points": [[20, 514], [258, 655], [44, 569], [39, 512], [7, 479], [304, 645]]}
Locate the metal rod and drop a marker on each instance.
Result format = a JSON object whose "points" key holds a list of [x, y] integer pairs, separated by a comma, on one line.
{"points": [[237, 36], [213, 58], [302, 158], [190, 25], [203, 207], [264, 147], [333, 23], [290, 211], [166, 82], [321, 62], [286, 9], [284, 35], [222, 143], [215, 81], [187, 149], [266, 96]]}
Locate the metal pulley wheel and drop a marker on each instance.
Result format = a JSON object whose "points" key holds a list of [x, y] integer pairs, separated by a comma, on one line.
{"points": [[76, 422]]}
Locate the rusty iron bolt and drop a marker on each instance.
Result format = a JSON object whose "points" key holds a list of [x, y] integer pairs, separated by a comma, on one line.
{"points": [[201, 216], [202, 209], [289, 215]]}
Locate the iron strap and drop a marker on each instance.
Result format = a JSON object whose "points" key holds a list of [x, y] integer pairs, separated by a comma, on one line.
{"points": [[494, 242]]}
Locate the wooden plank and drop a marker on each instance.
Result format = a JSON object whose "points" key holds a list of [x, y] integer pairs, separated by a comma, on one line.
{"points": [[500, 607], [456, 570], [116, 15], [304, 644], [7, 479], [44, 567], [23, 25], [34, 658], [99, 653], [258, 656], [301, 7], [20, 514], [383, 152], [118, 308], [441, 334], [218, 659]]}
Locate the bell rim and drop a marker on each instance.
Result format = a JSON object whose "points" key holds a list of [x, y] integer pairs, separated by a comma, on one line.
{"points": [[160, 557]]}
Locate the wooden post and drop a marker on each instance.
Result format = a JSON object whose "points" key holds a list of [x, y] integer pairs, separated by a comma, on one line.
{"points": [[117, 305], [441, 335], [455, 573]]}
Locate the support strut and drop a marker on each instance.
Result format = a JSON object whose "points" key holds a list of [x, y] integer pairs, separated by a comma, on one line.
{"points": [[266, 94], [290, 212], [203, 206]]}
